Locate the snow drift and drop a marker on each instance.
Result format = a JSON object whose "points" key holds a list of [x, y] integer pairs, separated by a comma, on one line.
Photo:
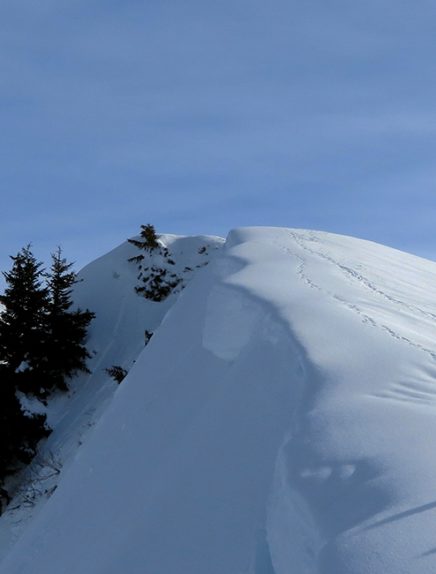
{"points": [[116, 337], [280, 420]]}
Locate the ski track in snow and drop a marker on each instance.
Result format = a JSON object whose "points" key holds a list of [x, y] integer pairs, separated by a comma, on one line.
{"points": [[418, 393], [362, 281]]}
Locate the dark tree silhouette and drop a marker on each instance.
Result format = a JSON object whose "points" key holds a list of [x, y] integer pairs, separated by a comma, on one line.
{"points": [[20, 431], [41, 345], [117, 373], [149, 238], [66, 329], [22, 322]]}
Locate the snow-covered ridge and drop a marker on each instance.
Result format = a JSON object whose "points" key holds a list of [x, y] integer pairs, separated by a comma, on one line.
{"points": [[280, 420], [116, 337]]}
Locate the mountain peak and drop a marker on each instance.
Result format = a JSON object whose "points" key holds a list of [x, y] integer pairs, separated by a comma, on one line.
{"points": [[278, 420]]}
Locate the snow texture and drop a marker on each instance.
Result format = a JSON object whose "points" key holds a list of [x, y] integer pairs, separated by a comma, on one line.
{"points": [[279, 421], [116, 337]]}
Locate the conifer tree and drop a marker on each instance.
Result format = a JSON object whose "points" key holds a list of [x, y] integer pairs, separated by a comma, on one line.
{"points": [[149, 238], [65, 329], [21, 329], [41, 344], [41, 338], [22, 322], [20, 432]]}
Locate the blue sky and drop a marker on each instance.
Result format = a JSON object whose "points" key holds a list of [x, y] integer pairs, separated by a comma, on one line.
{"points": [[201, 116]]}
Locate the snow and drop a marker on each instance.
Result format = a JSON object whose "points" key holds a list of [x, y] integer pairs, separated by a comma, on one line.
{"points": [[280, 420], [116, 337]]}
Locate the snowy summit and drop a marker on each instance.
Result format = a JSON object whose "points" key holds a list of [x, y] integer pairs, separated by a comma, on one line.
{"points": [[279, 420]]}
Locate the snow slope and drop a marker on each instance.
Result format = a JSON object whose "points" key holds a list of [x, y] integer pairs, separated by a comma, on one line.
{"points": [[280, 421], [116, 337]]}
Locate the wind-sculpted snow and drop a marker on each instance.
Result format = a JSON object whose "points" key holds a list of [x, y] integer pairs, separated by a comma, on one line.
{"points": [[116, 337], [281, 420]]}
